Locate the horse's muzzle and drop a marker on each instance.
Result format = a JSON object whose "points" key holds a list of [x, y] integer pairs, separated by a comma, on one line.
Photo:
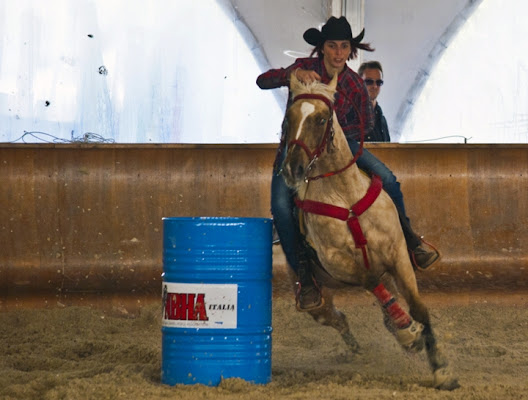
{"points": [[294, 167]]}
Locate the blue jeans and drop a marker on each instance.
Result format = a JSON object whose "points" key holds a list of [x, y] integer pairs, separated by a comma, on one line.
{"points": [[283, 206], [370, 164]]}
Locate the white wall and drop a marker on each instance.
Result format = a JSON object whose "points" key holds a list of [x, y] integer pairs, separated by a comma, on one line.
{"points": [[175, 71], [477, 92], [141, 98], [404, 33]]}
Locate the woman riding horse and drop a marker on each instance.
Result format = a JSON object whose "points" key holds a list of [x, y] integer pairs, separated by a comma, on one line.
{"points": [[334, 45]]}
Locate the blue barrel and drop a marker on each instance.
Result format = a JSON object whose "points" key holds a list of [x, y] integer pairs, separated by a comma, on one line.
{"points": [[216, 321]]}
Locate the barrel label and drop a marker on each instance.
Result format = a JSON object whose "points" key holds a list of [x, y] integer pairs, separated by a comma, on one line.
{"points": [[190, 305]]}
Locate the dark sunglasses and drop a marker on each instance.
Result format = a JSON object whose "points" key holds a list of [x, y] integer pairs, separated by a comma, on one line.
{"points": [[378, 82]]}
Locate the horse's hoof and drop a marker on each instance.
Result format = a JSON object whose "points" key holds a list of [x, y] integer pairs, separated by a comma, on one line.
{"points": [[410, 338], [444, 380]]}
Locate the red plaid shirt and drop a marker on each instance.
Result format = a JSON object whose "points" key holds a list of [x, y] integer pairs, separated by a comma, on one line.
{"points": [[351, 99]]}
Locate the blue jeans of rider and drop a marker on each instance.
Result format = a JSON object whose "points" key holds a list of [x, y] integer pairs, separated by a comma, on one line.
{"points": [[283, 206]]}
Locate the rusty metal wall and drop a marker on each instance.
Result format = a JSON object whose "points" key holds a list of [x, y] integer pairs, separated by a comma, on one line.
{"points": [[79, 218], [88, 218], [471, 202]]}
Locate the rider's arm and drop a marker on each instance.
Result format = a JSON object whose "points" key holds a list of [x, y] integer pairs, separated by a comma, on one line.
{"points": [[353, 107], [275, 78]]}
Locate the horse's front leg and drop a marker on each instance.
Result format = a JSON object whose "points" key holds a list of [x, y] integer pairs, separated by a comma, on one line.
{"points": [[328, 315], [407, 331], [444, 379], [443, 376]]}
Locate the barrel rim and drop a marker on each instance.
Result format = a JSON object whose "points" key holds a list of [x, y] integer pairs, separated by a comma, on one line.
{"points": [[216, 218]]}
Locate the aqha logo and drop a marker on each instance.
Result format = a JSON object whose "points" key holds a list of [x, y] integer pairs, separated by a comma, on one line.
{"points": [[185, 307], [199, 305]]}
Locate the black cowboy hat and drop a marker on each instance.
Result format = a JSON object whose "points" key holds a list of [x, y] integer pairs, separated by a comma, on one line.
{"points": [[334, 29]]}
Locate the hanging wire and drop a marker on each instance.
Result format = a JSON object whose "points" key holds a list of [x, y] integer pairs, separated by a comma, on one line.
{"points": [[440, 138], [88, 137]]}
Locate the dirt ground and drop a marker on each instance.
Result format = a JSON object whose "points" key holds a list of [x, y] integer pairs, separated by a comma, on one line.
{"points": [[83, 352]]}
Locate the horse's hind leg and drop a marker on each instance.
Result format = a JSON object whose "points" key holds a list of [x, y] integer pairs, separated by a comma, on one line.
{"points": [[328, 315]]}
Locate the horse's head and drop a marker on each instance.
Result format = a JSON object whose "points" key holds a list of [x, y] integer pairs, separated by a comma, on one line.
{"points": [[307, 127]]}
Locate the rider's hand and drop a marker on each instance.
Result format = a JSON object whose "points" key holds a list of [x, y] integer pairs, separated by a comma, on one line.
{"points": [[306, 76]]}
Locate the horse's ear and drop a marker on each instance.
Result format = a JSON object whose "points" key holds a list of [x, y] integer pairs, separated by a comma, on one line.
{"points": [[333, 83], [294, 82]]}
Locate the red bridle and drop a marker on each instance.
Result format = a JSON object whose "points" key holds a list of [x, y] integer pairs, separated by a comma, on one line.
{"points": [[328, 134], [325, 141]]}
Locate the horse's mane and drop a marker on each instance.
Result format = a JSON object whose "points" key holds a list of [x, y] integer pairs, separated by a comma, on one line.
{"points": [[314, 87]]}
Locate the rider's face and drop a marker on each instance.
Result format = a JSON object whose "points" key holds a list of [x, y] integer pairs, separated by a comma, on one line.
{"points": [[336, 53]]}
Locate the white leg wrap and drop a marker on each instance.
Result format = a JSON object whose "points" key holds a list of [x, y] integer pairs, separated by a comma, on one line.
{"points": [[408, 336]]}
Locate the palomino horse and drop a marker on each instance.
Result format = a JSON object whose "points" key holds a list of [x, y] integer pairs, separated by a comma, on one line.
{"points": [[356, 244]]}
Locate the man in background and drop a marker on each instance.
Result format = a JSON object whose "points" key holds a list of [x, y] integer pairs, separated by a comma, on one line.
{"points": [[372, 73]]}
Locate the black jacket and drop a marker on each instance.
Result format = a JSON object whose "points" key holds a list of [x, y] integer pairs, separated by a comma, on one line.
{"points": [[380, 132]]}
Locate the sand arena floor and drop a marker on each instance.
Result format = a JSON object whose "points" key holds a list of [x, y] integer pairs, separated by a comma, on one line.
{"points": [[114, 351]]}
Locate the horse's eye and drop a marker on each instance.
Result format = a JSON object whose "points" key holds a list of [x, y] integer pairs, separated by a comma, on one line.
{"points": [[322, 121]]}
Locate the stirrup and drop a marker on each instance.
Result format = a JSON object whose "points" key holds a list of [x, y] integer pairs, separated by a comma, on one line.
{"points": [[315, 288], [275, 236], [434, 258]]}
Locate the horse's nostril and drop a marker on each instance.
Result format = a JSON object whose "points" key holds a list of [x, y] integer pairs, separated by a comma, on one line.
{"points": [[299, 172]]}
